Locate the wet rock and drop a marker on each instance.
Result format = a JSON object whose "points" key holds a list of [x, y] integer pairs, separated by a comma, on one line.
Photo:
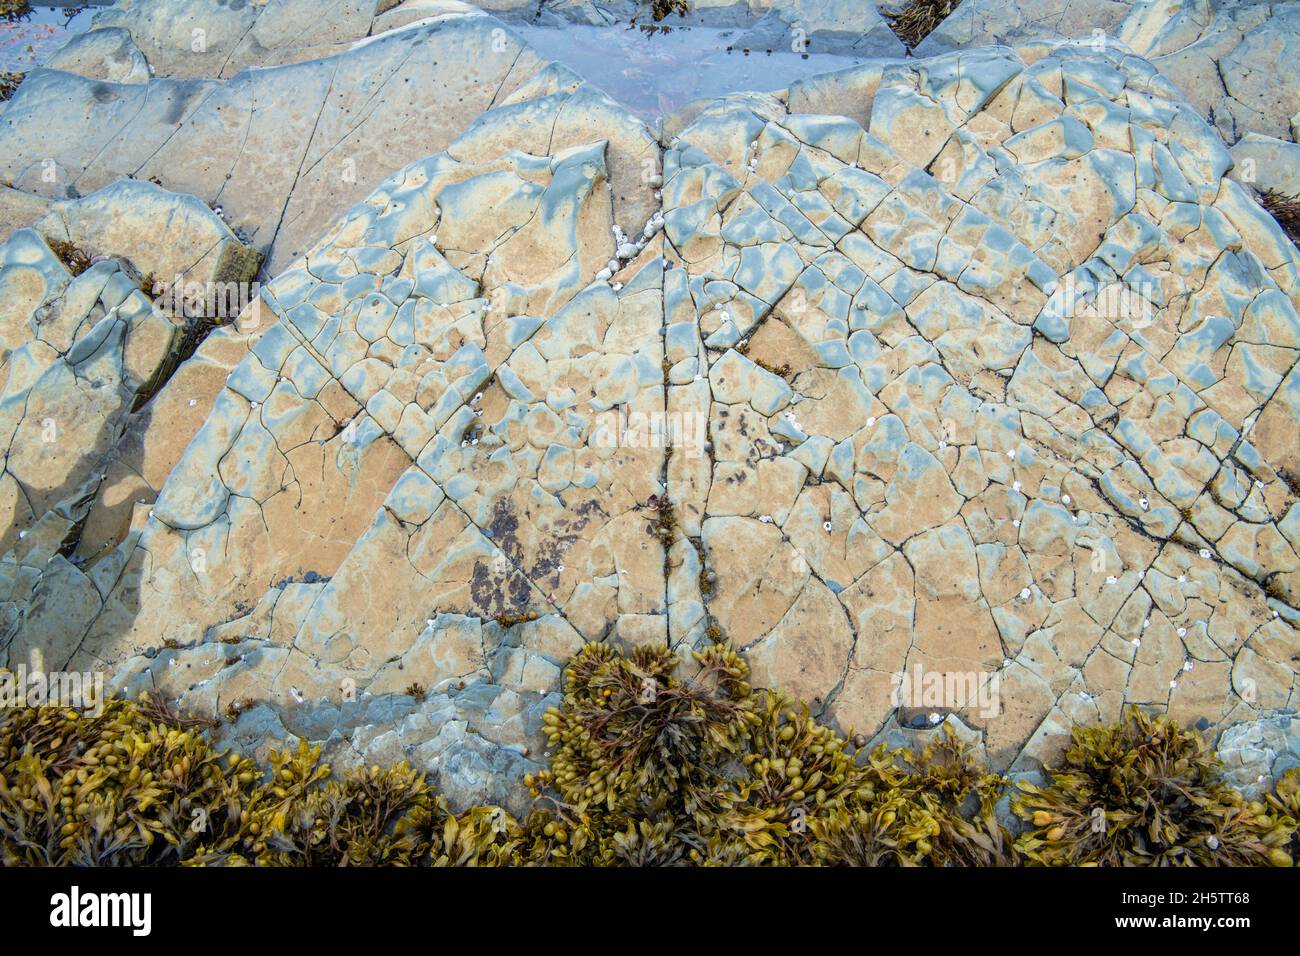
{"points": [[977, 366]]}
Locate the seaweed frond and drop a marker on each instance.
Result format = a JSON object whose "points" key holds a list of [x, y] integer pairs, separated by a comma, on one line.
{"points": [[1145, 792], [1285, 209], [917, 20]]}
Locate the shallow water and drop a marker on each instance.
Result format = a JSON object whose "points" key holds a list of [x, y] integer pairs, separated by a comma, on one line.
{"points": [[650, 74], [27, 42], [653, 75]]}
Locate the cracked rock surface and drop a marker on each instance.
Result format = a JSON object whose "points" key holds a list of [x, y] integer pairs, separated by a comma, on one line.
{"points": [[1234, 60], [287, 149], [975, 363]]}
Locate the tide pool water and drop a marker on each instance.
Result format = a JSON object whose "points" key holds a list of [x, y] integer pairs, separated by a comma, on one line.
{"points": [[655, 74]]}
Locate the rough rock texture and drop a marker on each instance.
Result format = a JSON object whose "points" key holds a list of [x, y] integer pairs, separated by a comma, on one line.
{"points": [[218, 38], [974, 364], [824, 26], [1237, 61], [83, 348], [214, 38], [967, 464], [284, 151], [978, 22], [1234, 60], [1257, 753]]}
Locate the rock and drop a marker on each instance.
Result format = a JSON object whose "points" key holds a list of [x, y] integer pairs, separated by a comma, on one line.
{"points": [[102, 54], [81, 353], [976, 367], [1266, 164], [218, 39], [979, 22], [973, 437], [1234, 60], [349, 121], [1257, 753], [19, 210], [175, 239]]}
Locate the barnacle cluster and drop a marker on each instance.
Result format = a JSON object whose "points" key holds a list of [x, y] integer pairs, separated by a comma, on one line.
{"points": [[1147, 793], [653, 762]]}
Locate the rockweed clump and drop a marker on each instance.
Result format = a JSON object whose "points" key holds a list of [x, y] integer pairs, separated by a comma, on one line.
{"points": [[652, 763], [1285, 209], [1147, 793], [13, 10], [918, 19], [9, 83]]}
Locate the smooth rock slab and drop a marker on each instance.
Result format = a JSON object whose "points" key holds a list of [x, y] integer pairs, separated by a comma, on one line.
{"points": [[341, 125]]}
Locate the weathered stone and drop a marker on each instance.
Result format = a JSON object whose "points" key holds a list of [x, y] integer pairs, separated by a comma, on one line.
{"points": [[971, 367]]}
